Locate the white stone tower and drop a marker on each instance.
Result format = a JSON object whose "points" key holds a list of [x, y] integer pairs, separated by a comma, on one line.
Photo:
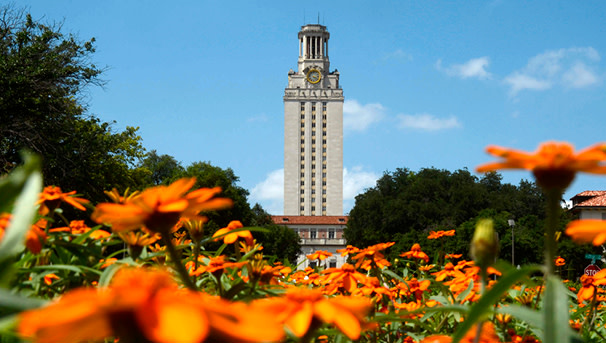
{"points": [[313, 131]]}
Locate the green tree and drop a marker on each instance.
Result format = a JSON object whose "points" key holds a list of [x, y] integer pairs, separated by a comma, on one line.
{"points": [[42, 77], [159, 169], [281, 241], [404, 206]]}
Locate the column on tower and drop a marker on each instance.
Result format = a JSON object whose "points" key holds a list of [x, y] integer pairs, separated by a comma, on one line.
{"points": [[321, 46]]}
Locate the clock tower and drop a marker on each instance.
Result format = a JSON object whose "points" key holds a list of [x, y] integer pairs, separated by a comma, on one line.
{"points": [[313, 131]]}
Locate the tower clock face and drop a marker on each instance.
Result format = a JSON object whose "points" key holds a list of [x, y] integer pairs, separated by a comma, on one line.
{"points": [[314, 76]]}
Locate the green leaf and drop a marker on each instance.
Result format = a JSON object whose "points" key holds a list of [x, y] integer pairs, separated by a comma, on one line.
{"points": [[108, 274], [24, 209], [480, 309], [392, 274], [73, 268], [18, 302], [466, 292], [11, 186], [82, 237], [7, 331], [555, 312], [449, 309], [531, 317]]}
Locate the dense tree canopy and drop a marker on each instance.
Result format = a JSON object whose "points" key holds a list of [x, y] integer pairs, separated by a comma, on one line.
{"points": [[43, 74], [159, 169], [404, 206]]}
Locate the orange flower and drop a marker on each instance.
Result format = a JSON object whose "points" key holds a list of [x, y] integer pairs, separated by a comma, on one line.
{"points": [[554, 164], [215, 265], [416, 252], [5, 219], [304, 310], [35, 237], [589, 284], [372, 256], [427, 268], [139, 238], [232, 237], [159, 208], [48, 278], [195, 228], [78, 227], [260, 271], [319, 255], [349, 250], [372, 288], [412, 287], [120, 199], [453, 256], [440, 234], [559, 261], [149, 306], [448, 271], [346, 277], [587, 230], [51, 197], [107, 262], [245, 248], [488, 335]]}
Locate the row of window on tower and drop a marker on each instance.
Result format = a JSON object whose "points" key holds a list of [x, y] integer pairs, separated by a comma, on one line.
{"points": [[313, 157]]}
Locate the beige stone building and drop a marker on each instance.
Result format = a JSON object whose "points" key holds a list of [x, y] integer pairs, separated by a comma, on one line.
{"points": [[317, 233], [313, 150], [313, 131]]}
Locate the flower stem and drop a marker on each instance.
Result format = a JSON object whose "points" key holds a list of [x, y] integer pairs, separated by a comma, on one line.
{"points": [[483, 276], [553, 214], [174, 256], [196, 256]]}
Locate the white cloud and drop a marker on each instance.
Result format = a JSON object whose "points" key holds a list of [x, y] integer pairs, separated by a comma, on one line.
{"points": [[519, 82], [566, 67], [357, 117], [474, 68], [270, 192], [427, 122], [399, 54], [579, 76], [356, 181]]}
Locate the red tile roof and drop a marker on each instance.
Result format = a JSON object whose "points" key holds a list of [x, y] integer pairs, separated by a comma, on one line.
{"points": [[318, 220], [590, 194], [596, 201]]}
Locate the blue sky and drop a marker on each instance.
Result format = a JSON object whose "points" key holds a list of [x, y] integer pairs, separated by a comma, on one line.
{"points": [[427, 84]]}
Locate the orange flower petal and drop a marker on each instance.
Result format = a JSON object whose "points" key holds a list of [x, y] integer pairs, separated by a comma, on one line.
{"points": [[172, 319], [587, 230], [299, 322]]}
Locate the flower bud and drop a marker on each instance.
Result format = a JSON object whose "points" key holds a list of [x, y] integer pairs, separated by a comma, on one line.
{"points": [[485, 244]]}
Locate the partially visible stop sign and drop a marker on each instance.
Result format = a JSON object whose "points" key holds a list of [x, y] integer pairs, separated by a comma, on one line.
{"points": [[591, 270]]}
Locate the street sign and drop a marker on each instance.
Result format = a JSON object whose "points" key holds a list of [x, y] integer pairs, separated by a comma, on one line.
{"points": [[591, 270], [593, 257]]}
